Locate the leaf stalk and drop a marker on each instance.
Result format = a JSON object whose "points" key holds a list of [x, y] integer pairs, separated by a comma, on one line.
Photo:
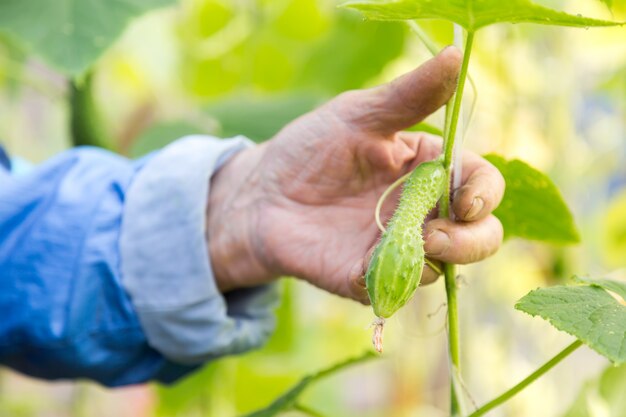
{"points": [[527, 381]]}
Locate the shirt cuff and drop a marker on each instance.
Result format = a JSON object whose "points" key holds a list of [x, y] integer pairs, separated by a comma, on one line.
{"points": [[165, 261]]}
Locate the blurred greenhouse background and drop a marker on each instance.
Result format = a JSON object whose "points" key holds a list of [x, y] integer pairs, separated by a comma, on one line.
{"points": [[553, 97]]}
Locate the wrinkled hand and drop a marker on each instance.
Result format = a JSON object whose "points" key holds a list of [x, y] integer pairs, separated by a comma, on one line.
{"points": [[302, 204]]}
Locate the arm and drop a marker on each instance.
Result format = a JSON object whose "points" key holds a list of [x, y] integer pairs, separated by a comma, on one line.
{"points": [[69, 232]]}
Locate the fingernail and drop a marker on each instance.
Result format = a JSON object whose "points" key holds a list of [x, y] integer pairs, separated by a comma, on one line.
{"points": [[477, 205], [437, 243]]}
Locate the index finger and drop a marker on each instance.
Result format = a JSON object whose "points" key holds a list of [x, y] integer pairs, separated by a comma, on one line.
{"points": [[481, 191]]}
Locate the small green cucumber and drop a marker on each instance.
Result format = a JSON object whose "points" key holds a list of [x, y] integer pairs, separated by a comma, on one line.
{"points": [[395, 270]]}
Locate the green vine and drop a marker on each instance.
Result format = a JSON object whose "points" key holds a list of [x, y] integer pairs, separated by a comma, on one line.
{"points": [[444, 212], [527, 381]]}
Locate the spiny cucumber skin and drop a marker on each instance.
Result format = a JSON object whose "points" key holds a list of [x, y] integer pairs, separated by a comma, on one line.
{"points": [[395, 270]]}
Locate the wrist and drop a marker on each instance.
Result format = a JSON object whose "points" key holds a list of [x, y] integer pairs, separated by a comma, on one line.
{"points": [[233, 214]]}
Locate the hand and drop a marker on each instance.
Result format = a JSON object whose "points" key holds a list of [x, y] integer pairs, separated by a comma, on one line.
{"points": [[303, 203]]}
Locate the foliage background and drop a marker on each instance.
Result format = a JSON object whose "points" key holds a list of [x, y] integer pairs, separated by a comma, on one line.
{"points": [[553, 97]]}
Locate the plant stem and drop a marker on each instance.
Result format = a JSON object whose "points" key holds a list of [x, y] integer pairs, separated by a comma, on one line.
{"points": [[529, 380], [307, 410], [454, 348], [444, 212], [432, 47], [458, 99]]}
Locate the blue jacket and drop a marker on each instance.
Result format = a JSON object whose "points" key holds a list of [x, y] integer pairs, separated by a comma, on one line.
{"points": [[104, 268]]}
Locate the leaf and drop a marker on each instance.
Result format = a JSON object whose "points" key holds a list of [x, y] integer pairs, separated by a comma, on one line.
{"points": [[427, 128], [70, 34], [289, 400], [261, 118], [161, 134], [190, 393], [258, 119], [472, 14], [594, 312], [532, 207], [616, 287], [613, 230], [365, 50], [603, 396], [12, 65], [609, 3]]}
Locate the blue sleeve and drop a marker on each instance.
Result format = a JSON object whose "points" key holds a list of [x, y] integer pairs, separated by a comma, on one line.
{"points": [[87, 286]]}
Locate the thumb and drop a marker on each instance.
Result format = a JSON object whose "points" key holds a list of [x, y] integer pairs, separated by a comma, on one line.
{"points": [[407, 100]]}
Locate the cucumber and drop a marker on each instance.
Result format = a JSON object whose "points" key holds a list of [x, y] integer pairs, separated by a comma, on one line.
{"points": [[395, 270]]}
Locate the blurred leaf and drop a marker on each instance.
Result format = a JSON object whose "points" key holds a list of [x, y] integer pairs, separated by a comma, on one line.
{"points": [[426, 127], [472, 14], [12, 64], [440, 31], [609, 3], [71, 34], [273, 68], [614, 231], [302, 20], [615, 84], [594, 312], [261, 118], [282, 340], [602, 397], [160, 135], [191, 393], [351, 54], [532, 207], [289, 400], [212, 34], [614, 4], [206, 18], [258, 119], [285, 46], [213, 77]]}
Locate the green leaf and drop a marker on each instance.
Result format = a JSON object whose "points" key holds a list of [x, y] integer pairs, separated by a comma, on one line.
{"points": [[259, 118], [616, 287], [162, 134], [256, 118], [365, 50], [427, 128], [12, 65], [609, 3], [532, 207], [191, 393], [594, 312], [289, 400], [613, 230], [472, 14], [70, 34], [603, 396]]}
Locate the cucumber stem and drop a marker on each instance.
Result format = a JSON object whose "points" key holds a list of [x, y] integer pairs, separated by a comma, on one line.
{"points": [[444, 212]]}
